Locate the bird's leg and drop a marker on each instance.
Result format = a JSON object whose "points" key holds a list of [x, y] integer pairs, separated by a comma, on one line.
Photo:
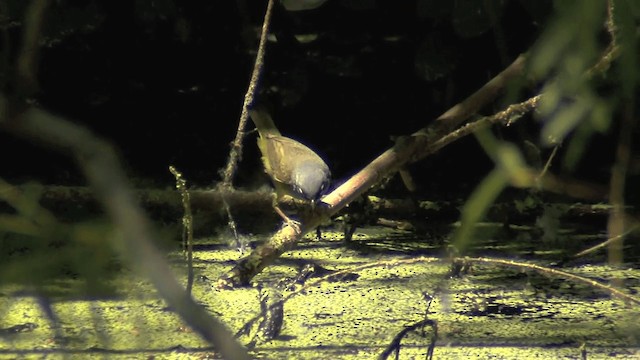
{"points": [[294, 224]]}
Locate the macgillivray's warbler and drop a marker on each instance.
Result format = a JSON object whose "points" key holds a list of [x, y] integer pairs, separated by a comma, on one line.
{"points": [[294, 168]]}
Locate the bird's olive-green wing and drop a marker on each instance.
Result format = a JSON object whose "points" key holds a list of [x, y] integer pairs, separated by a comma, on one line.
{"points": [[264, 122], [281, 155]]}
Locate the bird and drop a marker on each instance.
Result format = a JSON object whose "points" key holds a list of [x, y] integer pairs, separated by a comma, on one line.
{"points": [[294, 169]]}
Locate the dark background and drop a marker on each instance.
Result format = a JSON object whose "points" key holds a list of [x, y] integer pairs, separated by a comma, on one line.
{"points": [[165, 81]]}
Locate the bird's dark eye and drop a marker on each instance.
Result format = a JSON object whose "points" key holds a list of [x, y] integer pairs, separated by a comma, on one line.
{"points": [[298, 190], [323, 188]]}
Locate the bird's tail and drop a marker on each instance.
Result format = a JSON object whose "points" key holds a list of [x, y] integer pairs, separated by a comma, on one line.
{"points": [[263, 121]]}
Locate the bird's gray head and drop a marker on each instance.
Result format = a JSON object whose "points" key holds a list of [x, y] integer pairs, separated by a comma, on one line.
{"points": [[310, 180]]}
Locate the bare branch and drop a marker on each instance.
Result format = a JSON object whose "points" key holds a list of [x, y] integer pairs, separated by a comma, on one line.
{"points": [[236, 149], [407, 149]]}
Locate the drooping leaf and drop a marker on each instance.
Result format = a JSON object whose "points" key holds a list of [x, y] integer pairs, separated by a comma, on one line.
{"points": [[477, 206]]}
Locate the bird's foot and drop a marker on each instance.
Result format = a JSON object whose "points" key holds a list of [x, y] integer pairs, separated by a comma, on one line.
{"points": [[295, 225]]}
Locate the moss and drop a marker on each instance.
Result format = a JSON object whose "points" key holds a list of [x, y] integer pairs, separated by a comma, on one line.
{"points": [[490, 312]]}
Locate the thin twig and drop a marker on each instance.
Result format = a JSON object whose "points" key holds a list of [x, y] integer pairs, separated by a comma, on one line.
{"points": [[236, 149], [235, 154], [605, 243], [613, 50], [468, 260], [555, 272], [508, 116], [547, 164], [395, 344], [616, 223], [471, 105], [187, 223]]}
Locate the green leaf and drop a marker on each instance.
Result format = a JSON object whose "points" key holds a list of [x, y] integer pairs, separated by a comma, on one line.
{"points": [[477, 205], [566, 118], [571, 36]]}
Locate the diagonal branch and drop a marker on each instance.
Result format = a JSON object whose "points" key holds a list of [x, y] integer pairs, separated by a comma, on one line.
{"points": [[407, 149]]}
